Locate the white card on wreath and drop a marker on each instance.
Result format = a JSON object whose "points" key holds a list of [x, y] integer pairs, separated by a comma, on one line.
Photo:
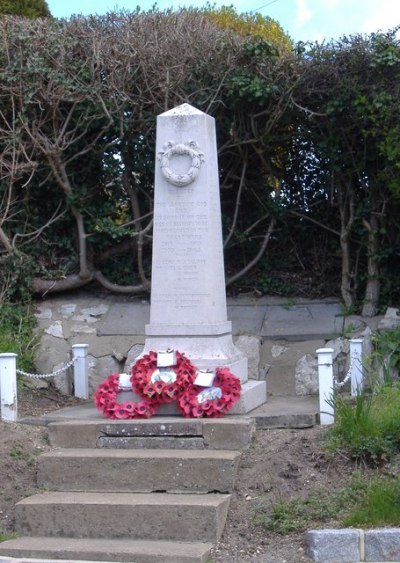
{"points": [[124, 381], [166, 358], [205, 378]]}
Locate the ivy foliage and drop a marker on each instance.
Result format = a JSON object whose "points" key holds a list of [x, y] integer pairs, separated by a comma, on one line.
{"points": [[308, 150], [26, 8]]}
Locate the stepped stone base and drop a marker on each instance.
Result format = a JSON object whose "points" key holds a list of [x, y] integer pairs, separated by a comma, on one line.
{"points": [[124, 551], [121, 470], [127, 503], [253, 395], [167, 517], [228, 433], [204, 350]]}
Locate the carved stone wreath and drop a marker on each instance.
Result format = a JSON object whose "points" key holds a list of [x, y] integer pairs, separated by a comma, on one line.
{"points": [[170, 149]]}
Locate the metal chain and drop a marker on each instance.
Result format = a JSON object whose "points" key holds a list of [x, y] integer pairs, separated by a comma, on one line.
{"points": [[44, 375], [348, 375]]}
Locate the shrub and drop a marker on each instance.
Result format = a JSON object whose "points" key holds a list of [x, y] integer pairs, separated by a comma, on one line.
{"points": [[17, 332]]}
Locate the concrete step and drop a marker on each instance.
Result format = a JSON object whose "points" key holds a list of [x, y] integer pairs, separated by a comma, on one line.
{"points": [[173, 471], [124, 550], [152, 516], [231, 433]]}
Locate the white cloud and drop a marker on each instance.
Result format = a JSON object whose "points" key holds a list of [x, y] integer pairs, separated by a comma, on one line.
{"points": [[304, 14], [381, 16]]}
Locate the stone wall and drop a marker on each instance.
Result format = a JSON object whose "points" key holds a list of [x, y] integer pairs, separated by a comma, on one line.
{"points": [[80, 320], [113, 328]]}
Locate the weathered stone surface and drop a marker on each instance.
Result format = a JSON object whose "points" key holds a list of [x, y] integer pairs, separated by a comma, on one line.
{"points": [[100, 346], [277, 350], [67, 309], [102, 368], [85, 319], [353, 325], [162, 516], [282, 357], [296, 322], [382, 544], [70, 550], [228, 433], [53, 352], [306, 375], [141, 471], [154, 427], [95, 310], [334, 546], [391, 319], [83, 329], [253, 394], [43, 313], [150, 442], [188, 308], [133, 353], [74, 434], [55, 330], [126, 319], [250, 348], [286, 421]]}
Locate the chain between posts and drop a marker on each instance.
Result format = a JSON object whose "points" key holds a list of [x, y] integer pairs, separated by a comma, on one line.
{"points": [[345, 380], [348, 375], [44, 375]]}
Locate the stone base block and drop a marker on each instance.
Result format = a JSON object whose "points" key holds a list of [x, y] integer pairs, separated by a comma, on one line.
{"points": [[205, 351], [254, 394]]}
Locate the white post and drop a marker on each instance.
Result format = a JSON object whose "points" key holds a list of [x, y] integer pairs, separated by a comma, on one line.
{"points": [[8, 387], [325, 378], [81, 380], [356, 366]]}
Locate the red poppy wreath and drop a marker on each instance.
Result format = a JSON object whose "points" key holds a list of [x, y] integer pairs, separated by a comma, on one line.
{"points": [[162, 384], [105, 399], [214, 401]]}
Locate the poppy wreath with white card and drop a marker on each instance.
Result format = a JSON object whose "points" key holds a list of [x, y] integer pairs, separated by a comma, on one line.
{"points": [[213, 400], [105, 399], [162, 377]]}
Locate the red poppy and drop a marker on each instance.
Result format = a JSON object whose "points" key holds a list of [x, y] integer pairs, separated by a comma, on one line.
{"points": [[162, 391], [193, 403], [105, 400]]}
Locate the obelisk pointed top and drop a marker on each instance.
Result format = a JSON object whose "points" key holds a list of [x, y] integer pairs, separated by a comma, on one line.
{"points": [[183, 109]]}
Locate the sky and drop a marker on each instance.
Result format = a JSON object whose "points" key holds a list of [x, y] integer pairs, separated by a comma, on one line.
{"points": [[303, 20]]}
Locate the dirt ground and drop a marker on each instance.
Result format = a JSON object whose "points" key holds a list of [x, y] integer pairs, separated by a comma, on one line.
{"points": [[281, 464]]}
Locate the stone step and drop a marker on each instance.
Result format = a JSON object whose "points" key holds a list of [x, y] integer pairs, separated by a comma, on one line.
{"points": [[152, 516], [173, 471], [108, 550], [231, 433]]}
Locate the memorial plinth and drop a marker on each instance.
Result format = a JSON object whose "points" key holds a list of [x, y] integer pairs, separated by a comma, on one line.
{"points": [[188, 301]]}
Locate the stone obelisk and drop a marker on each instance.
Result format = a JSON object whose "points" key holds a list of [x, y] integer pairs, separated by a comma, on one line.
{"points": [[188, 301]]}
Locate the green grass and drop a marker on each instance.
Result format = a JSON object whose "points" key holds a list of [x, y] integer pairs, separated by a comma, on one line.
{"points": [[367, 430], [368, 426], [4, 535], [29, 458], [379, 506], [317, 507], [363, 503]]}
